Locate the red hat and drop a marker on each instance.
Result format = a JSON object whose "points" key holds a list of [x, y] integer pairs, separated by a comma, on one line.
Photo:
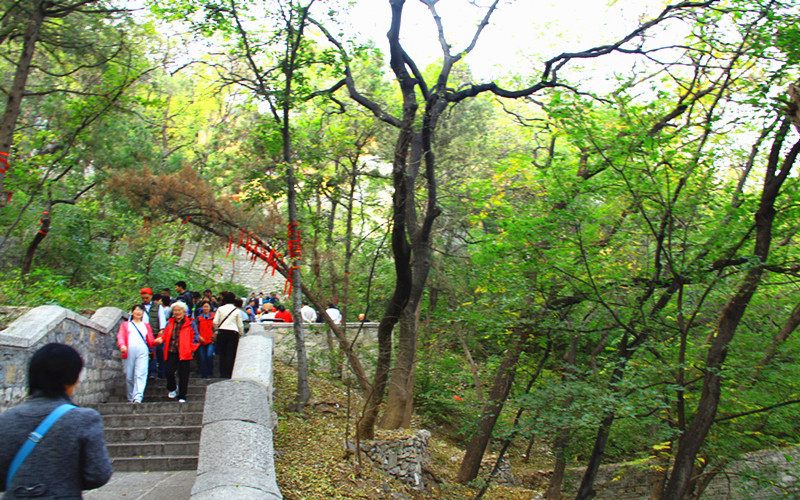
{"points": [[146, 290]]}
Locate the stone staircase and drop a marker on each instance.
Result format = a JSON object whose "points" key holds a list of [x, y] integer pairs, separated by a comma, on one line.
{"points": [[159, 434]]}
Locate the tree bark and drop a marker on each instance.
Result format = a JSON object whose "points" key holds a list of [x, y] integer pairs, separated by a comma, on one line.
{"points": [[14, 101], [294, 38], [472, 365], [401, 251], [562, 438], [789, 326], [504, 379]]}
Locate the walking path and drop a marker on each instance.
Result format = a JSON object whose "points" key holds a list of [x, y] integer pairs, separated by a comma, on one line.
{"points": [[159, 485], [153, 445]]}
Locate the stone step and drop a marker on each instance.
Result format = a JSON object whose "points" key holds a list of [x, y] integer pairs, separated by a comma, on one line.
{"points": [[153, 435], [159, 392], [159, 434], [169, 406], [153, 420], [153, 450], [154, 464]]}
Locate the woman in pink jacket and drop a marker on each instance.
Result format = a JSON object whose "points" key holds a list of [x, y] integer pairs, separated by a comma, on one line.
{"points": [[135, 339]]}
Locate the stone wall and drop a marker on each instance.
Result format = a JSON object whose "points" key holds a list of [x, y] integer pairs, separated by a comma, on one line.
{"points": [[94, 338], [236, 453], [402, 456], [756, 476], [236, 268], [317, 351]]}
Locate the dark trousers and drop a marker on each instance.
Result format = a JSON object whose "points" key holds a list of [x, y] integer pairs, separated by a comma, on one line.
{"points": [[160, 360], [206, 361], [182, 367], [226, 345]]}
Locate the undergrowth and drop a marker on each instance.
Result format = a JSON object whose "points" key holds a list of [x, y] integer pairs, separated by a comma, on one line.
{"points": [[312, 461]]}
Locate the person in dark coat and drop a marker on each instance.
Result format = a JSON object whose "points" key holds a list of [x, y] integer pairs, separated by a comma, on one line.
{"points": [[72, 455]]}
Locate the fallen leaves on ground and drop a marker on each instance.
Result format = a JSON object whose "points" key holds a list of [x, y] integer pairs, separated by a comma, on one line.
{"points": [[312, 461]]}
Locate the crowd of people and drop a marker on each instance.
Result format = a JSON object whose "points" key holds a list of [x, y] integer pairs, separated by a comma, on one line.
{"points": [[163, 335]]}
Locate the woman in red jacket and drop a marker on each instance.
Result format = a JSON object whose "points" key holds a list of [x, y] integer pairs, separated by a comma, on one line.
{"points": [[205, 325], [181, 339], [283, 314]]}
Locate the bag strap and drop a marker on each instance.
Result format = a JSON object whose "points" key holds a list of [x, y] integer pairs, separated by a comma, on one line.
{"points": [[34, 438], [228, 316], [140, 333]]}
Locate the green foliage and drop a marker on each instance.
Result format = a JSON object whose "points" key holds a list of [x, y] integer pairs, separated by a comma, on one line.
{"points": [[43, 287], [444, 395]]}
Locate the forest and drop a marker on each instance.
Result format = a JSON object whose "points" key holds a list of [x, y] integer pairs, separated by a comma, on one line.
{"points": [[593, 247]]}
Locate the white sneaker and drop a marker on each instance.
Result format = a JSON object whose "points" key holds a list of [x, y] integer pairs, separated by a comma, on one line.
{"points": [[172, 394], [181, 401]]}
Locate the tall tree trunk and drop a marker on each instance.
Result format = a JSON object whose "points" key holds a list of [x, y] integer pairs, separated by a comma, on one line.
{"points": [[503, 380], [401, 375], [14, 101], [334, 290], [563, 437], [690, 441], [472, 365], [348, 240], [586, 488], [293, 40], [789, 326], [402, 229], [401, 384], [401, 251]]}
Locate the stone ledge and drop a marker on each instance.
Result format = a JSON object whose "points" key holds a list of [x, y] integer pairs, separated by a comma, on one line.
{"points": [[234, 455], [108, 318], [36, 323], [237, 400], [234, 444], [234, 493], [254, 358]]}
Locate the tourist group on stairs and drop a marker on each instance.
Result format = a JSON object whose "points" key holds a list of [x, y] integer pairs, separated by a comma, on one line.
{"points": [[164, 334]]}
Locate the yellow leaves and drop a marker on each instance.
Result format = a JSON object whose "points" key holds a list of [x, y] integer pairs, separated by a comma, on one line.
{"points": [[664, 446]]}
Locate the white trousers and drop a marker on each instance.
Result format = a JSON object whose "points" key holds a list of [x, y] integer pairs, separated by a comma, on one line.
{"points": [[136, 367]]}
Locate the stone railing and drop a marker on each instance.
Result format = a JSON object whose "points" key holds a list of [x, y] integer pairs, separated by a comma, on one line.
{"points": [[94, 338], [236, 455], [317, 348]]}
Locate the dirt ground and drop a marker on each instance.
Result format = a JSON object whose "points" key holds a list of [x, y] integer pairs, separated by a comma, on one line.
{"points": [[312, 461]]}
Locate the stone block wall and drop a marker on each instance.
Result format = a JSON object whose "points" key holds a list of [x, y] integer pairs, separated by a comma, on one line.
{"points": [[317, 351], [402, 456], [616, 482], [758, 476], [236, 267], [94, 338]]}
